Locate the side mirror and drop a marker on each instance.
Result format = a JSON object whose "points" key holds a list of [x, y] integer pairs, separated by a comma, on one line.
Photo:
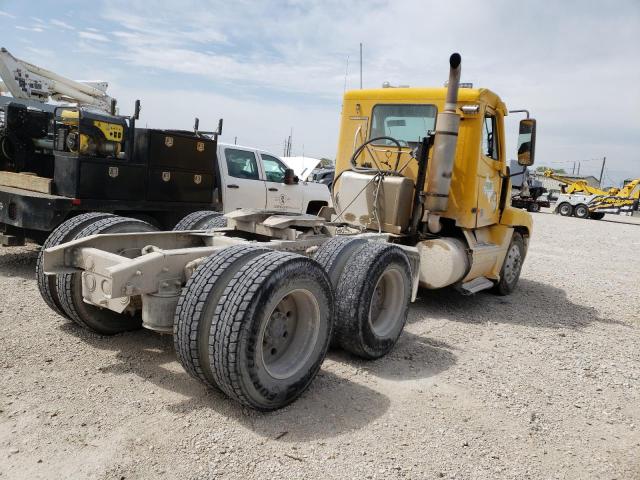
{"points": [[290, 178], [527, 142]]}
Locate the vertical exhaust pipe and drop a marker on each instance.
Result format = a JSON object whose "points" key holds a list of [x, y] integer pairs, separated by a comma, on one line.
{"points": [[444, 149]]}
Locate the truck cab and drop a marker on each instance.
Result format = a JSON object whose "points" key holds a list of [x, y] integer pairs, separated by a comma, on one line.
{"points": [[254, 178]]}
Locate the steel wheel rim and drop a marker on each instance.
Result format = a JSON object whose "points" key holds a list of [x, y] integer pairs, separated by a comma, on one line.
{"points": [[512, 264], [386, 305], [564, 210], [289, 335], [581, 212]]}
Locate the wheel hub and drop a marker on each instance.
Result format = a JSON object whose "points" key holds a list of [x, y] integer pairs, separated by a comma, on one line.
{"points": [[512, 263], [290, 333]]}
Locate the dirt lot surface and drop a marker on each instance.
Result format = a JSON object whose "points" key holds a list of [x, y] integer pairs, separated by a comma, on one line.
{"points": [[542, 384]]}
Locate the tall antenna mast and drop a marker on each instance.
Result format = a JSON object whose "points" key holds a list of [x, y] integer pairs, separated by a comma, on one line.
{"points": [[346, 74], [360, 65]]}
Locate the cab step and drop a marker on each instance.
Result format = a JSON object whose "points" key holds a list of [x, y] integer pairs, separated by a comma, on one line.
{"points": [[476, 285]]}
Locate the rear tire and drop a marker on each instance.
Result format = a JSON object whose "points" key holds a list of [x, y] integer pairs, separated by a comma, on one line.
{"points": [[334, 254], [197, 305], [533, 207], [372, 300], [272, 330], [512, 266], [69, 285], [66, 231], [216, 222], [565, 209], [596, 215], [581, 211], [196, 220]]}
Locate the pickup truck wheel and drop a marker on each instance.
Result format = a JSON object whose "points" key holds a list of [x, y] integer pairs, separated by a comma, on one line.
{"points": [[510, 271], [272, 330], [596, 215], [69, 285], [581, 211], [66, 231], [565, 209], [197, 305], [372, 300], [215, 222], [196, 220], [334, 254], [533, 207]]}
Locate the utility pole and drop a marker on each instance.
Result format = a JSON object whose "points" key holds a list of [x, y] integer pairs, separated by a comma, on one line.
{"points": [[235, 140], [604, 160], [573, 170], [578, 169], [360, 65]]}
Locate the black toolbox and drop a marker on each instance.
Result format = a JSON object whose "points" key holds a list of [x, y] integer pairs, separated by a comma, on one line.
{"points": [[79, 176], [182, 166]]}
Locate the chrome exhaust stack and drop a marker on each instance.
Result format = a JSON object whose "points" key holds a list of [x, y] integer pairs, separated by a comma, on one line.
{"points": [[444, 149]]}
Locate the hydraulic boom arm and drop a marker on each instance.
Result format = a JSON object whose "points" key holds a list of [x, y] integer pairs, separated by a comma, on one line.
{"points": [[577, 186], [29, 82]]}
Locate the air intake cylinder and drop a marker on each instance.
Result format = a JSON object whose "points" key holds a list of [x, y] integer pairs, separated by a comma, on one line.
{"points": [[444, 147]]}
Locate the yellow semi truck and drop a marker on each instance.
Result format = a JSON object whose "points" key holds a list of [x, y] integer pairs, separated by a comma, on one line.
{"points": [[420, 198]]}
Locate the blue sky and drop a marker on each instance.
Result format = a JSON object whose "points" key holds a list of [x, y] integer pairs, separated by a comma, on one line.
{"points": [[269, 66]]}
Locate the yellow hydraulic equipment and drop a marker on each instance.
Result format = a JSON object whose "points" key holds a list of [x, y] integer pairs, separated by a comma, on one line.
{"points": [[631, 189], [92, 134], [577, 186]]}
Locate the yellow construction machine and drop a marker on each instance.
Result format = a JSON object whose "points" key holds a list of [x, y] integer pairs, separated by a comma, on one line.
{"points": [[582, 200]]}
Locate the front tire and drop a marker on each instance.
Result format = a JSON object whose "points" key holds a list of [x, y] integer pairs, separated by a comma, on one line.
{"points": [[512, 266], [372, 300], [565, 209]]}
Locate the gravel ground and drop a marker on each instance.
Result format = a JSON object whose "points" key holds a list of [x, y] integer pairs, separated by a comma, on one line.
{"points": [[542, 384]]}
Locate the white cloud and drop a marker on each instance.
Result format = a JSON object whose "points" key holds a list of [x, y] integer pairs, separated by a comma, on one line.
{"points": [[6, 14], [30, 29], [61, 24], [93, 36], [558, 63]]}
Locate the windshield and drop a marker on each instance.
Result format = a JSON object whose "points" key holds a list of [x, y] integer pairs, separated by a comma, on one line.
{"points": [[405, 123]]}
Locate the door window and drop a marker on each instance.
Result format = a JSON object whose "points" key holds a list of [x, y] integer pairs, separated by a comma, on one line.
{"points": [[273, 168], [242, 164], [490, 137]]}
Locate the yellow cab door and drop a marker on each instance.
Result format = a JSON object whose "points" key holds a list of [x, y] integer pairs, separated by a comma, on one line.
{"points": [[488, 176]]}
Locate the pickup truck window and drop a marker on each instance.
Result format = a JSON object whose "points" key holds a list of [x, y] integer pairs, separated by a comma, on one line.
{"points": [[405, 123], [242, 164], [273, 168]]}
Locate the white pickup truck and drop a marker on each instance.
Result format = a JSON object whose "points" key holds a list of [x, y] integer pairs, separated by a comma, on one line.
{"points": [[253, 178]]}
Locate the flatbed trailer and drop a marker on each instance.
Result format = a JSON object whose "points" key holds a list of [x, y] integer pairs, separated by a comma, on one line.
{"points": [[34, 215]]}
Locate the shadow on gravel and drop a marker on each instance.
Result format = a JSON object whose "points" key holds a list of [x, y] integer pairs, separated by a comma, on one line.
{"points": [[414, 356], [533, 304], [331, 406], [19, 263]]}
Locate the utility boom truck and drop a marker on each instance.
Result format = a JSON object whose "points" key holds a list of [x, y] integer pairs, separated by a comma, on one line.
{"points": [[61, 161], [580, 199], [421, 198]]}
